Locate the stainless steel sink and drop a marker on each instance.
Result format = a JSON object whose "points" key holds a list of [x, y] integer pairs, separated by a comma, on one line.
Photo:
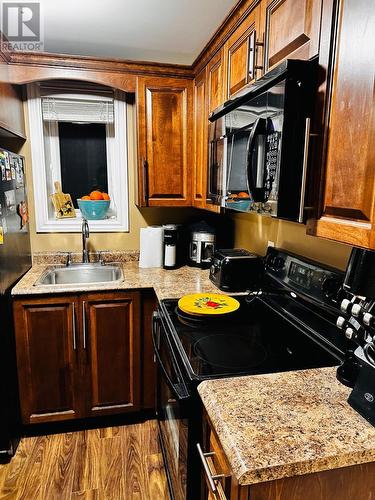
{"points": [[81, 274]]}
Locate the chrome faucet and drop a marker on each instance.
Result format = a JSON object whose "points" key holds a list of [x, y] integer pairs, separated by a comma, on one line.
{"points": [[85, 236]]}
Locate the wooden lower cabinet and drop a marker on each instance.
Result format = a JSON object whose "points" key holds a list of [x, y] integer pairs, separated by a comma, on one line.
{"points": [[111, 351], [346, 483], [48, 359], [78, 356]]}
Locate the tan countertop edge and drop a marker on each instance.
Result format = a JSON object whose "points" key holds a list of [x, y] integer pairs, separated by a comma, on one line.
{"points": [[166, 283], [259, 438]]}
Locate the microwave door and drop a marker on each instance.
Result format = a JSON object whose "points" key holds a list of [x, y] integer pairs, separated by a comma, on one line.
{"points": [[237, 187], [216, 171], [256, 160]]}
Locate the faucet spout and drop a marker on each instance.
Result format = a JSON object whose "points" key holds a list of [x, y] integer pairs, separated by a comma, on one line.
{"points": [[85, 237]]}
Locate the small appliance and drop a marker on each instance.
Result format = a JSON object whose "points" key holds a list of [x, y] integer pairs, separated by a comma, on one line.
{"points": [[171, 235], [287, 322], [235, 269], [357, 320], [259, 142], [202, 245]]}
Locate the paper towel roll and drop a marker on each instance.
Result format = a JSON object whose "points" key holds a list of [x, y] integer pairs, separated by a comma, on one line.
{"points": [[151, 246]]}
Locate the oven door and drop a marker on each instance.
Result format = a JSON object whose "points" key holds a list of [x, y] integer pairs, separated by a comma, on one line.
{"points": [[172, 411]]}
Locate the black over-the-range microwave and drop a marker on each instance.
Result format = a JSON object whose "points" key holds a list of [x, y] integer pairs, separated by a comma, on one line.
{"points": [[259, 142]]}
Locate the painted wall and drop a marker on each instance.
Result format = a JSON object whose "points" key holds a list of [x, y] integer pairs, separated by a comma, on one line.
{"points": [[253, 232], [41, 242]]}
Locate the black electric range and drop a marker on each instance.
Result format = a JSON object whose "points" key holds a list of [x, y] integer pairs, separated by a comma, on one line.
{"points": [[286, 323]]}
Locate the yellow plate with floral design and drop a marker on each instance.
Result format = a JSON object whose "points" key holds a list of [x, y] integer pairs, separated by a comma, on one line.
{"points": [[208, 303]]}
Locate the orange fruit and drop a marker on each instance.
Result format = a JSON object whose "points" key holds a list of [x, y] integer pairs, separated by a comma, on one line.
{"points": [[96, 195], [106, 196], [86, 198], [242, 194]]}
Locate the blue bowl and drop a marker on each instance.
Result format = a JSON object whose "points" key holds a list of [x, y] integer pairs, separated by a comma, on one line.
{"points": [[241, 204], [93, 209]]}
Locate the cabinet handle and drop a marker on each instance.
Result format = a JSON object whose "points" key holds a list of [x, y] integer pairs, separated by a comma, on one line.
{"points": [[74, 326], [84, 323], [145, 180], [257, 45], [251, 56], [210, 478], [304, 170]]}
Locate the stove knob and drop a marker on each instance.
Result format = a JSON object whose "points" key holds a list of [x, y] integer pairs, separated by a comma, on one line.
{"points": [[346, 306], [356, 310], [349, 333], [340, 322], [368, 319]]}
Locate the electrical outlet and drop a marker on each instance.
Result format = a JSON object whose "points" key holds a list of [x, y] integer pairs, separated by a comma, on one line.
{"points": [[270, 243]]}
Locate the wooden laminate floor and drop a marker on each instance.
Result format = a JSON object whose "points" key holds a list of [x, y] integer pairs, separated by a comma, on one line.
{"points": [[114, 463]]}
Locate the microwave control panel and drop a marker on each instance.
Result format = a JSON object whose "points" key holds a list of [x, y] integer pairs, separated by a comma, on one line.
{"points": [[272, 160]]}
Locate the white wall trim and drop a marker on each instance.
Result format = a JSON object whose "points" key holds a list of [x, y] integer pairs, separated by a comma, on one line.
{"points": [[117, 171]]}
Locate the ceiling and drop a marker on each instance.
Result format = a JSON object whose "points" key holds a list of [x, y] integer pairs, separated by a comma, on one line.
{"points": [[172, 31]]}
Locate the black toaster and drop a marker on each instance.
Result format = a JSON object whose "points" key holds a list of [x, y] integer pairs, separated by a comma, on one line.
{"points": [[236, 269]]}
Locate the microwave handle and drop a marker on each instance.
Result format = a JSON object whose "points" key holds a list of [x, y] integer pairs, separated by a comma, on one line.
{"points": [[304, 170], [179, 390], [259, 128]]}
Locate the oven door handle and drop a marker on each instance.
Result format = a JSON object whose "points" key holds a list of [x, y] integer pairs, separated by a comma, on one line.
{"points": [[179, 390], [259, 128]]}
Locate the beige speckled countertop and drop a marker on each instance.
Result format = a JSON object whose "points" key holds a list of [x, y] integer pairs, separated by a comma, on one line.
{"points": [[286, 424], [166, 283]]}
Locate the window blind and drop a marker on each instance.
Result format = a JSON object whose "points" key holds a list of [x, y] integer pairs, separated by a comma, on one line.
{"points": [[87, 109]]}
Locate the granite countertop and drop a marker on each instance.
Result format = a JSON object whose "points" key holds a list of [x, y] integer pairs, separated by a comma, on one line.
{"points": [[286, 424], [166, 283]]}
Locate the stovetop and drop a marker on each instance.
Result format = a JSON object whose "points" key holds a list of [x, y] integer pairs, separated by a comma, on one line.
{"points": [[255, 339], [288, 326]]}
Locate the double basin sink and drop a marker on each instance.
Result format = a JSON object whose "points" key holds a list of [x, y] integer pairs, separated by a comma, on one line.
{"points": [[81, 274]]}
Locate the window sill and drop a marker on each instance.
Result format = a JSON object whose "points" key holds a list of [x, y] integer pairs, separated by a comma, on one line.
{"points": [[74, 225]]}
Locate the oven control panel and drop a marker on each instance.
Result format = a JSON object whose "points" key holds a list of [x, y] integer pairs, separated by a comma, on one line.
{"points": [[302, 275]]}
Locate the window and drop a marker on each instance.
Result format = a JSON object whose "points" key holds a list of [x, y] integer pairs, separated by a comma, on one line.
{"points": [[83, 150], [78, 138]]}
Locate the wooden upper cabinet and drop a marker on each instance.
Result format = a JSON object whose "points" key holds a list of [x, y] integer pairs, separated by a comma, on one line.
{"points": [[215, 81], [12, 120], [348, 211], [242, 53], [47, 357], [292, 30], [200, 140], [165, 141], [111, 342]]}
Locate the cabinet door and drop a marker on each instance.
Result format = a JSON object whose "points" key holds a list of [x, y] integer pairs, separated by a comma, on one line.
{"points": [[348, 211], [111, 344], [215, 80], [11, 111], [165, 130], [47, 359], [200, 140], [292, 30], [242, 60]]}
